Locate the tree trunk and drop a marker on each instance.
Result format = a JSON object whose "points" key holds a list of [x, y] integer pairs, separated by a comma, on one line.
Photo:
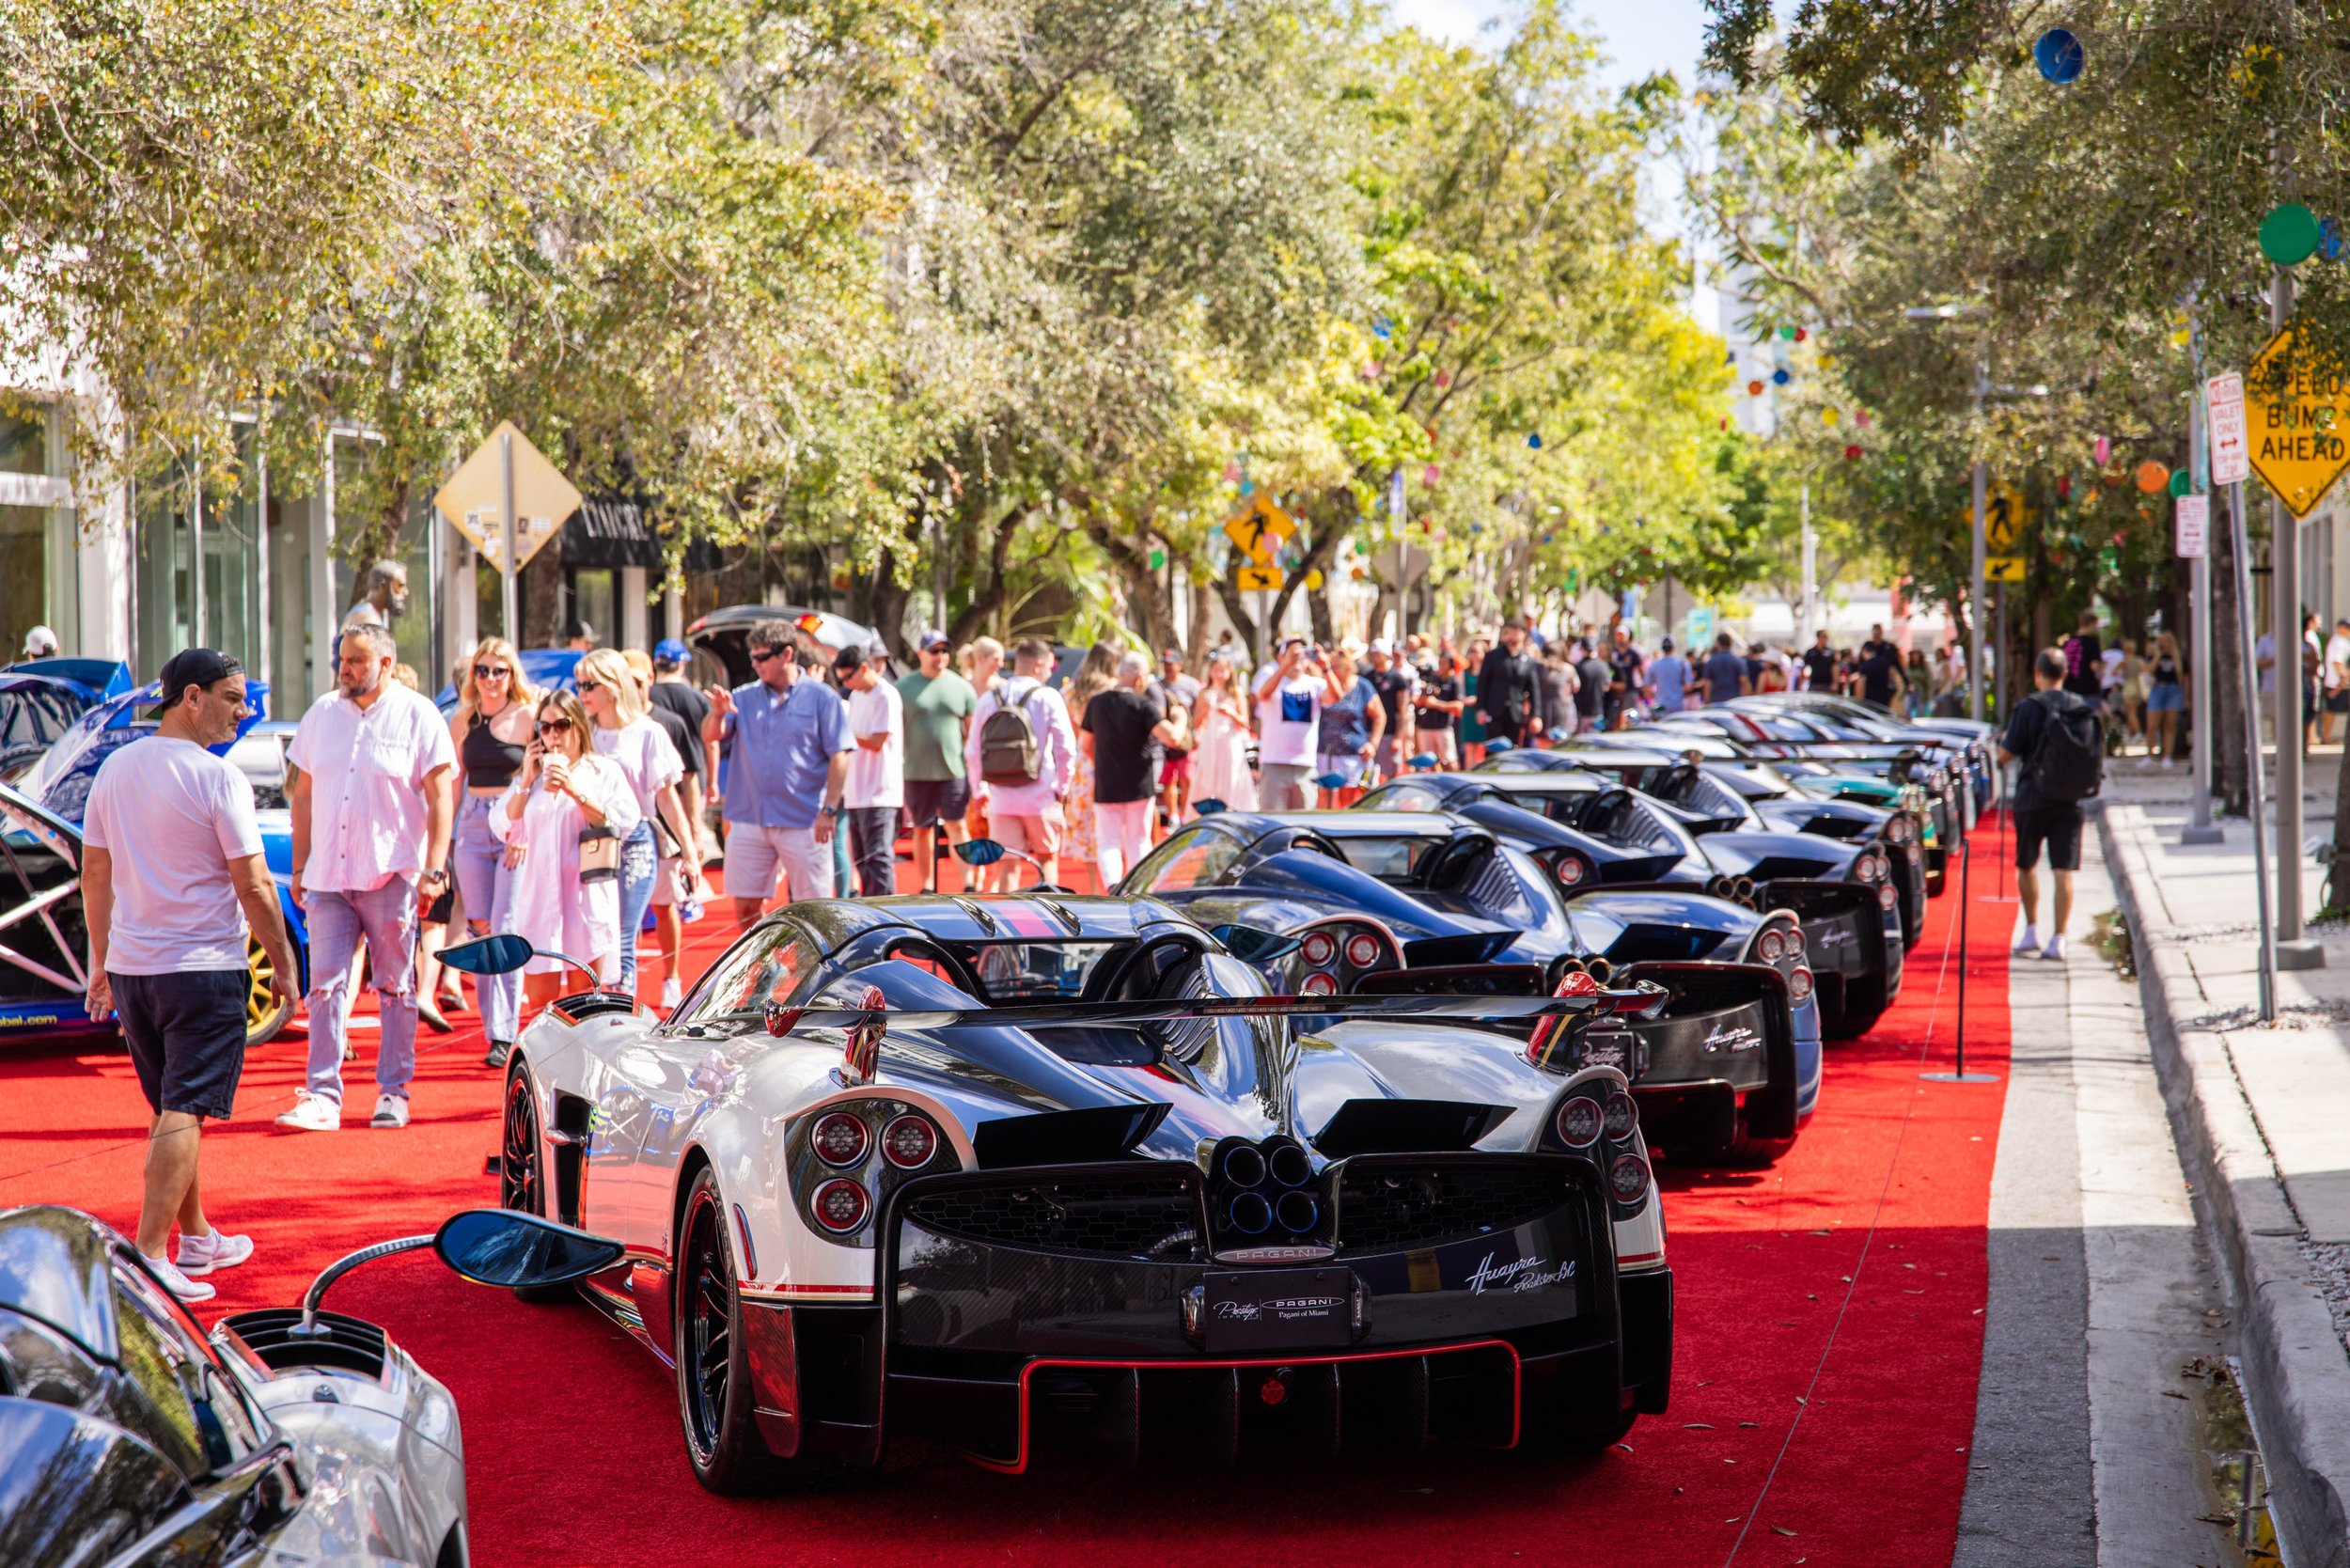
{"points": [[1145, 594], [1227, 588], [1203, 611], [988, 596]]}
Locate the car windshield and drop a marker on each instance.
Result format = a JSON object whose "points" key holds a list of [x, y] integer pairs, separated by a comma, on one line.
{"points": [[1390, 859]]}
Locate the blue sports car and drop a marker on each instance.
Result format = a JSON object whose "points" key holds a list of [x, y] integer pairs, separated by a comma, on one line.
{"points": [[44, 945]]}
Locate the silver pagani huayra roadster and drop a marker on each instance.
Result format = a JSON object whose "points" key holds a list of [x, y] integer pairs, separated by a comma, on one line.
{"points": [[1048, 1171]]}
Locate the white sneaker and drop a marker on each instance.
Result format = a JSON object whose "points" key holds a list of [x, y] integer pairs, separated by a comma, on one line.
{"points": [[671, 994], [312, 1113], [2054, 948], [391, 1110], [203, 1254], [178, 1284], [2028, 944]]}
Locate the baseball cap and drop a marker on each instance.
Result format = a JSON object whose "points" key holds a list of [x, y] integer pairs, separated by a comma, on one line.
{"points": [[1381, 644], [933, 641], [193, 666], [668, 651]]}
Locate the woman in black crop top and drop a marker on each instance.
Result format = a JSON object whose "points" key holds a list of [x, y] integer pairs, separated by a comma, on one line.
{"points": [[491, 726]]}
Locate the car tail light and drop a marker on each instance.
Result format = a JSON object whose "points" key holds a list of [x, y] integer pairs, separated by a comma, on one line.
{"points": [[1886, 897], [909, 1142], [1618, 1117], [1571, 870], [1362, 949], [1320, 985], [1627, 1179], [1318, 948], [839, 1139], [1799, 986], [841, 1206], [1868, 868], [1770, 946], [1580, 1122], [1794, 942]]}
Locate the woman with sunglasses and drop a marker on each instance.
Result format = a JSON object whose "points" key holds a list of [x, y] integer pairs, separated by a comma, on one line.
{"points": [[492, 729], [624, 736], [563, 791]]}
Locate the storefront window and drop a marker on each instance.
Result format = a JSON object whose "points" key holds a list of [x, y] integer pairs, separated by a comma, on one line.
{"points": [[40, 575]]}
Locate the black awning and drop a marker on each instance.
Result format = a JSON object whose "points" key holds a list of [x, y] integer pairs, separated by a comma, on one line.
{"points": [[612, 530]]}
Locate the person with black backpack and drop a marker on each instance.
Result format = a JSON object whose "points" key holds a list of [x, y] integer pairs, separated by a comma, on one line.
{"points": [[2060, 741]]}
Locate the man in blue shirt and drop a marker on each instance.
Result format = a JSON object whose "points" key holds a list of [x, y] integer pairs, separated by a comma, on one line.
{"points": [[1668, 679], [788, 745], [1726, 672]]}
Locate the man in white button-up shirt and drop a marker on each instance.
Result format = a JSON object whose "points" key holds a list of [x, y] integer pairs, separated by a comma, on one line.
{"points": [[372, 815]]}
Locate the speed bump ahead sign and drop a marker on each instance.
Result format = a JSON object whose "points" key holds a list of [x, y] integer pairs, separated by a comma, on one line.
{"points": [[2300, 426]]}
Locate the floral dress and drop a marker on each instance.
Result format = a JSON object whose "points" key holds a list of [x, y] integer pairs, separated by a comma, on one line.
{"points": [[1077, 811]]}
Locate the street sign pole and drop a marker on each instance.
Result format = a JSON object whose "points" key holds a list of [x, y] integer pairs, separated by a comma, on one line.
{"points": [[2201, 829], [511, 627], [2252, 754], [2293, 951]]}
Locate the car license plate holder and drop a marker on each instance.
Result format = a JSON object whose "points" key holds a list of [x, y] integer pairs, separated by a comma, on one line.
{"points": [[1616, 1048], [1279, 1308]]}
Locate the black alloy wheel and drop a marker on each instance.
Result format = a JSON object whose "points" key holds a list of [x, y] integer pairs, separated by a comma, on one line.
{"points": [[714, 1396], [522, 1172]]}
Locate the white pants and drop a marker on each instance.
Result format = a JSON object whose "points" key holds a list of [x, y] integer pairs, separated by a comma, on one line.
{"points": [[1121, 835]]}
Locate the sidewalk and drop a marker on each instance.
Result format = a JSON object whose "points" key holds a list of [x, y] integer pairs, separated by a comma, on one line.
{"points": [[2263, 1114]]}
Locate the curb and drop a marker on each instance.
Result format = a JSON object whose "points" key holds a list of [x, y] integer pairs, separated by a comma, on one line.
{"points": [[2296, 1373]]}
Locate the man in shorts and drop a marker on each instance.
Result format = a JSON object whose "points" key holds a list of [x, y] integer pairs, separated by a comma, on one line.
{"points": [[2042, 818], [939, 704], [788, 767], [171, 874], [1025, 814]]}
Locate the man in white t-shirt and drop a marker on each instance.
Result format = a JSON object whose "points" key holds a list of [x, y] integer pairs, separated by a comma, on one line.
{"points": [[1290, 694], [171, 874], [877, 769]]}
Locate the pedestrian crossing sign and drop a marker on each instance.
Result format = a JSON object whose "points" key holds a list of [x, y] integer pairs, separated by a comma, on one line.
{"points": [[2003, 569], [2003, 519], [1260, 579], [1261, 531]]}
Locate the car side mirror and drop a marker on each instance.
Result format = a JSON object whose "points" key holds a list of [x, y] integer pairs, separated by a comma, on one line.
{"points": [[1253, 944], [500, 954], [511, 1249]]}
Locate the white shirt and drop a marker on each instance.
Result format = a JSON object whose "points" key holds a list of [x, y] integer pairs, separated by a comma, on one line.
{"points": [[877, 777], [173, 816], [1282, 737], [2265, 646], [646, 757], [367, 768], [550, 905], [2337, 658], [1055, 750]]}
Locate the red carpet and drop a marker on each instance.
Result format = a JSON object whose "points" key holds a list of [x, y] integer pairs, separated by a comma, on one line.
{"points": [[1823, 1397]]}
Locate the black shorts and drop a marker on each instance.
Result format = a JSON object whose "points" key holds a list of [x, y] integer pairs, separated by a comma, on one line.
{"points": [[2338, 700], [2059, 826], [186, 1035], [931, 801]]}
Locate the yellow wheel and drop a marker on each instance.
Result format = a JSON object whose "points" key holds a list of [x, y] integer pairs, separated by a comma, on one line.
{"points": [[264, 1015]]}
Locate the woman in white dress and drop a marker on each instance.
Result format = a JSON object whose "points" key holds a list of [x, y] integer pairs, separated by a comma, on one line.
{"points": [[1220, 760], [624, 735], [564, 789]]}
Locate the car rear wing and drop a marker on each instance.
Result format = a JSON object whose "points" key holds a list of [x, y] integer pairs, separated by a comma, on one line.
{"points": [[1639, 1001]]}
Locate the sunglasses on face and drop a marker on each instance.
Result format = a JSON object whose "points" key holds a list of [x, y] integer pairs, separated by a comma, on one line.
{"points": [[490, 672], [587, 686], [554, 726], [761, 655]]}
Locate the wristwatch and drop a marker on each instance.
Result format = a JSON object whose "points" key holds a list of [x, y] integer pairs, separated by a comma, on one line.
{"points": [[833, 811], [434, 875]]}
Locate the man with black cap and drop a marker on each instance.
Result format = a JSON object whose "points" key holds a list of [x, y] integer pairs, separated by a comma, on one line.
{"points": [[167, 924]]}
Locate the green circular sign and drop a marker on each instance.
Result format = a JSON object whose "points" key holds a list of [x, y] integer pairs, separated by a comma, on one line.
{"points": [[2290, 234], [2179, 482]]}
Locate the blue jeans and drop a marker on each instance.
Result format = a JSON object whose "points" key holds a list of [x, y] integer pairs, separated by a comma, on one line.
{"points": [[386, 919], [487, 888], [639, 865]]}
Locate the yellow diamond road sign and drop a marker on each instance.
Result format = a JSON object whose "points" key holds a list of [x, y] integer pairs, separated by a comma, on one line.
{"points": [[2002, 519], [1260, 531], [2300, 428], [543, 499]]}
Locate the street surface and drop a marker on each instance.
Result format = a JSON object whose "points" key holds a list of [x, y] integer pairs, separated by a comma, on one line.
{"points": [[1955, 1324]]}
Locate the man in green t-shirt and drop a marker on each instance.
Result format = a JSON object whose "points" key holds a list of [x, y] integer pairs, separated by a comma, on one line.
{"points": [[938, 708]]}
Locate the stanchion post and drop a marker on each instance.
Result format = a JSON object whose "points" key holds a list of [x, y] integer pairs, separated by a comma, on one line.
{"points": [[1958, 1074]]}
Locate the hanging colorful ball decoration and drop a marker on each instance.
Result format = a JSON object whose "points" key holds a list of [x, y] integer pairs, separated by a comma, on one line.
{"points": [[2151, 476], [2329, 238], [1231, 471], [1158, 560], [1730, 356], [1787, 334], [1371, 369], [1828, 416], [1861, 418], [1780, 378], [2179, 482], [1382, 328], [1851, 453], [1444, 378], [1754, 389], [2290, 234], [1534, 439], [2064, 487], [2104, 451], [1428, 476], [1801, 335], [2059, 57]]}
